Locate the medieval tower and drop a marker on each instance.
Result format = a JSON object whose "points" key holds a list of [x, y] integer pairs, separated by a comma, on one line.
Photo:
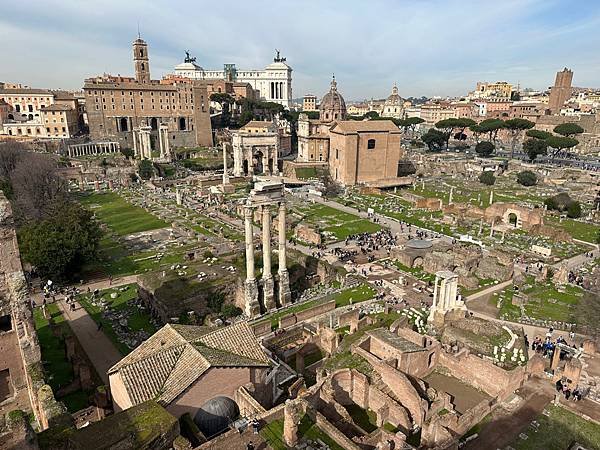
{"points": [[561, 91], [140, 60]]}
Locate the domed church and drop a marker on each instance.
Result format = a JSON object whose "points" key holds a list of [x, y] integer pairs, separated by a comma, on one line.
{"points": [[333, 106], [394, 105]]}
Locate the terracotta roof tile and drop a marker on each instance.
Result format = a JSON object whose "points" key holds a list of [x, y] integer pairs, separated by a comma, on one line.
{"points": [[168, 362]]}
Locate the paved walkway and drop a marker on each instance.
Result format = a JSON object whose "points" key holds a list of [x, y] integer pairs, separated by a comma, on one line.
{"points": [[98, 347]]}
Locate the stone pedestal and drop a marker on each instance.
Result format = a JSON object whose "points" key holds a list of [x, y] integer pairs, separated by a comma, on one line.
{"points": [[269, 293], [285, 294], [251, 298]]}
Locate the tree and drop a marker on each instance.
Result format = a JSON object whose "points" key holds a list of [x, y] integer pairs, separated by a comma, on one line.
{"points": [[58, 245], [568, 129], [447, 126], [559, 202], [145, 169], [476, 130], [371, 115], [574, 210], [485, 148], [434, 139], [491, 126], [225, 100], [560, 143], [527, 178], [538, 134], [535, 147], [409, 123], [127, 152], [487, 178], [515, 128], [36, 185]]}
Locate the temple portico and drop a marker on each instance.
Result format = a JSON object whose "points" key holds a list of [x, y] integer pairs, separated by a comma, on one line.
{"points": [[445, 296], [263, 196]]}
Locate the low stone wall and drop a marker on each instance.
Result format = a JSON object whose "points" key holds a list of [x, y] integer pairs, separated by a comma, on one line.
{"points": [[482, 374], [335, 434], [309, 313], [261, 329], [248, 405]]}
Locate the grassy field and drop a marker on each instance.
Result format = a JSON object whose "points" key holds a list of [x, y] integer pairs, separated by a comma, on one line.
{"points": [[138, 319], [58, 370], [121, 217], [366, 419], [339, 223], [358, 294], [579, 230], [547, 302], [558, 431], [273, 432]]}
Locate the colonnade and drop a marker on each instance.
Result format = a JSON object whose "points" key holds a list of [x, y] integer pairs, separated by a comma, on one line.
{"points": [[95, 148], [142, 145], [445, 293], [277, 90], [252, 304]]}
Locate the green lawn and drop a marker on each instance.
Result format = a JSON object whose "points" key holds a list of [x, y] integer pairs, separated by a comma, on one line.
{"points": [[558, 431], [121, 217], [358, 294], [339, 223], [304, 173], [546, 302], [273, 432], [57, 369], [138, 319], [579, 230]]}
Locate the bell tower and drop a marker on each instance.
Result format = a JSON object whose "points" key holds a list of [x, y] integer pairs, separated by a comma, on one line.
{"points": [[141, 61]]}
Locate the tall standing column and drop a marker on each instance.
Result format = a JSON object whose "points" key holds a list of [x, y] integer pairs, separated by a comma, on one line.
{"points": [[250, 289], [135, 143], [267, 278], [225, 174], [161, 142], [285, 295]]}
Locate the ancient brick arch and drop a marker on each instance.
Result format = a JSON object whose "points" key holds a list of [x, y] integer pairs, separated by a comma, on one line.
{"points": [[525, 217]]}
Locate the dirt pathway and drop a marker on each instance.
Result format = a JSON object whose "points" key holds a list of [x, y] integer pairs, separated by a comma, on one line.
{"points": [[98, 347], [506, 426]]}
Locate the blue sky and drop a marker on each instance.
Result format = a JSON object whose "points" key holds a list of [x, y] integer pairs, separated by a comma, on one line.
{"points": [[428, 47]]}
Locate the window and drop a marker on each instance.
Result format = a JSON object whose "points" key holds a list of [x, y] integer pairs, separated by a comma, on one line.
{"points": [[371, 144], [337, 154]]}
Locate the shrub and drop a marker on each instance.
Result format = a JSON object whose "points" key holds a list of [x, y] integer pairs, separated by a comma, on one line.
{"points": [[487, 178], [527, 178]]}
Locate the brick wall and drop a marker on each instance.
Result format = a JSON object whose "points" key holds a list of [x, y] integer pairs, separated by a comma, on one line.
{"points": [[482, 374], [215, 382], [291, 319]]}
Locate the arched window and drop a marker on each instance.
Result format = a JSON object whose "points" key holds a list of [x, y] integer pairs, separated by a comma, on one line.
{"points": [[124, 124], [141, 53], [143, 66]]}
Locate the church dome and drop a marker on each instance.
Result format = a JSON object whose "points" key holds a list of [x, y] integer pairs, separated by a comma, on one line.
{"points": [[333, 106], [215, 415], [394, 99]]}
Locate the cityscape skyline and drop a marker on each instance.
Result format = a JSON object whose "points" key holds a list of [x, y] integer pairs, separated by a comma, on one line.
{"points": [[541, 38]]}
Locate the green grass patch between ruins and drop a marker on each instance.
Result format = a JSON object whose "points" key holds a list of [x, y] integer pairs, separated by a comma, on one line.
{"points": [[558, 430], [137, 319], [120, 216]]}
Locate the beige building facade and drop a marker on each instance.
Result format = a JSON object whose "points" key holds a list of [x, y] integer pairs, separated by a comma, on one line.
{"points": [[118, 106]]}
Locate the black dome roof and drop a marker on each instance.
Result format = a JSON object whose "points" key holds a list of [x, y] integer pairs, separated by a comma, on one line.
{"points": [[215, 415]]}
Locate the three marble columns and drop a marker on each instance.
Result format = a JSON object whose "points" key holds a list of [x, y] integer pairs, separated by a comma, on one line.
{"points": [[252, 304]]}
